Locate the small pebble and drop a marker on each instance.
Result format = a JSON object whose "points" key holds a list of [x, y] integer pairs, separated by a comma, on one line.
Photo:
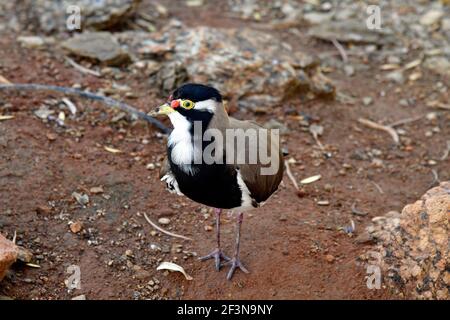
{"points": [[367, 101], [76, 227], [164, 221]]}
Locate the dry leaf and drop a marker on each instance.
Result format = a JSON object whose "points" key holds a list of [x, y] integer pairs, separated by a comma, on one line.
{"points": [[413, 64], [96, 190], [112, 150], [173, 267], [415, 76], [4, 80], [311, 179], [389, 66], [70, 105], [6, 117]]}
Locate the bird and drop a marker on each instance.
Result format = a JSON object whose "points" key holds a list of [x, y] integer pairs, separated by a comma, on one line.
{"points": [[228, 183]]}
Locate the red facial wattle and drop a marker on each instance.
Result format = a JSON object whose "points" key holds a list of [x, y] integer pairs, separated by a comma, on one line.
{"points": [[175, 104]]}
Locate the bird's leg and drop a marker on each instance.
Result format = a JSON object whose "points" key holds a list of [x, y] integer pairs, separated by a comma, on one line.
{"points": [[217, 254], [235, 262]]}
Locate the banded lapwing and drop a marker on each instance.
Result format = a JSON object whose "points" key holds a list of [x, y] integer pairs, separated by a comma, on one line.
{"points": [[233, 182]]}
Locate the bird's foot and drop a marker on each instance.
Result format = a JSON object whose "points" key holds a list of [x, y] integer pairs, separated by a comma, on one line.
{"points": [[235, 263], [217, 255]]}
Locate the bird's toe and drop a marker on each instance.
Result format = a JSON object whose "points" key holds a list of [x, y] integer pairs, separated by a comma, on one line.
{"points": [[218, 256], [235, 263]]}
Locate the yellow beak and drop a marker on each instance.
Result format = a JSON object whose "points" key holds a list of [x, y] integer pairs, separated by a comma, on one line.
{"points": [[164, 109]]}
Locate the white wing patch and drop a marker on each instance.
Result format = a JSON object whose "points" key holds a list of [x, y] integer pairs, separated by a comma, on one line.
{"points": [[246, 200], [172, 184]]}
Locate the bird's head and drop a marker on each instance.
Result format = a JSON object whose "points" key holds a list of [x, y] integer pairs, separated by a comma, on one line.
{"points": [[191, 102]]}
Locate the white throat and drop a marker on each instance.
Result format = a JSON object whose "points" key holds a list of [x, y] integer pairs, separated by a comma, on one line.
{"points": [[181, 140]]}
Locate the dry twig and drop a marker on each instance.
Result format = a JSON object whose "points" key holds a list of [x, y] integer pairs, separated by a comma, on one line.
{"points": [[88, 95], [435, 177], [405, 121], [358, 212], [380, 190], [341, 50], [446, 152], [164, 231], [81, 68], [378, 126], [290, 175]]}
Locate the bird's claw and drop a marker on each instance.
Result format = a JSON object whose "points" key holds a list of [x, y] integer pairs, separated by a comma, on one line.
{"points": [[235, 263], [217, 255]]}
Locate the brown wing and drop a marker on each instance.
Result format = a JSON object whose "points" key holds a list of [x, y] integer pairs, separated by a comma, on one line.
{"points": [[260, 184]]}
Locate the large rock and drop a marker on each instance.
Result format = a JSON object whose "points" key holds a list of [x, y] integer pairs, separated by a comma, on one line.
{"points": [[352, 31], [50, 15], [8, 255], [99, 46], [252, 66], [414, 246]]}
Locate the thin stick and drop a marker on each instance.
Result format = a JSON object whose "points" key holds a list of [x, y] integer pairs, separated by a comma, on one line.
{"points": [[290, 175], [436, 180], [446, 152], [378, 126], [405, 121], [81, 68], [341, 50], [14, 237], [88, 95], [443, 106], [378, 187], [358, 212], [164, 231]]}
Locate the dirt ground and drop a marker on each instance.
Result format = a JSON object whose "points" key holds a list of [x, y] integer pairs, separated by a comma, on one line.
{"points": [[294, 248]]}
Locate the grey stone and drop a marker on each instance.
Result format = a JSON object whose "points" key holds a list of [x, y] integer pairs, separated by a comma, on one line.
{"points": [[314, 18], [31, 41], [49, 16], [431, 17], [99, 46], [445, 24], [353, 31], [439, 65], [367, 101], [396, 76], [245, 64], [349, 70]]}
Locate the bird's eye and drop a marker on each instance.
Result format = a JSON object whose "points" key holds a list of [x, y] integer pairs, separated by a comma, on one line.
{"points": [[187, 104]]}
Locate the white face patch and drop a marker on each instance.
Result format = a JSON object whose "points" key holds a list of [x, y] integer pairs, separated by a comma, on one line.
{"points": [[206, 105]]}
